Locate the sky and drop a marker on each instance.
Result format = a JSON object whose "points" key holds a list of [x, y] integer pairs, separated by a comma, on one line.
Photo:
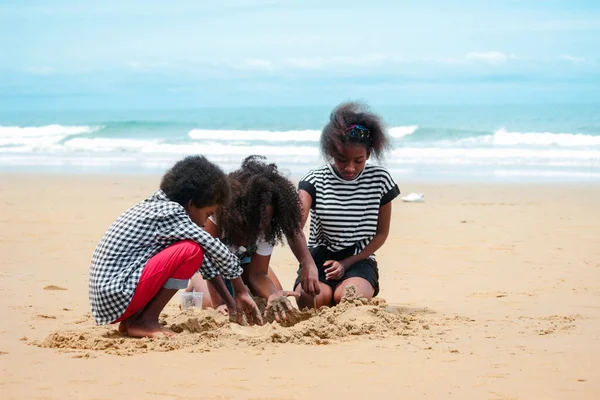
{"points": [[193, 53]]}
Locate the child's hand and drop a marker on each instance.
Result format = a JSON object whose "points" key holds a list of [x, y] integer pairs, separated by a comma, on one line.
{"points": [[278, 304], [335, 271], [309, 280], [245, 306], [222, 309]]}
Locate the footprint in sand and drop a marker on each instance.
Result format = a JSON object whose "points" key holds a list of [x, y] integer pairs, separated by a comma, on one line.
{"points": [[54, 287], [488, 294], [46, 316]]}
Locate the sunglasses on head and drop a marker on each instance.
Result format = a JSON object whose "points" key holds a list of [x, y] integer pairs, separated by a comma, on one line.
{"points": [[358, 132]]}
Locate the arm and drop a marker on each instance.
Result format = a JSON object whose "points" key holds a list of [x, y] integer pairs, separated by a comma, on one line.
{"points": [[263, 286], [217, 282], [305, 204], [260, 283], [241, 293], [181, 227], [297, 242], [309, 276]]}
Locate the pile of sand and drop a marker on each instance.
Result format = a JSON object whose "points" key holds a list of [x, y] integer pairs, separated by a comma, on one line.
{"points": [[353, 318]]}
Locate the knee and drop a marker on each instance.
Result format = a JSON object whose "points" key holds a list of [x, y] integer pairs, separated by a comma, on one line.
{"points": [[190, 256], [307, 301], [191, 251], [340, 291], [363, 289], [337, 296]]}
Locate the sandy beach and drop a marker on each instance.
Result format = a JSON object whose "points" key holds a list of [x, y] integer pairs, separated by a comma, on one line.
{"points": [[487, 292]]}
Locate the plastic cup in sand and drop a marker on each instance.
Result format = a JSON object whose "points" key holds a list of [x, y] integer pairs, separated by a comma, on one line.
{"points": [[191, 300]]}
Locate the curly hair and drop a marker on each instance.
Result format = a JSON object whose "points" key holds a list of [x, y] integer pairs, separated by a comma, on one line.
{"points": [[197, 180], [255, 186], [334, 137]]}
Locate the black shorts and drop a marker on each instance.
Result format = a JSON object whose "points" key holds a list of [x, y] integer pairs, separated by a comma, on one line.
{"points": [[366, 269]]}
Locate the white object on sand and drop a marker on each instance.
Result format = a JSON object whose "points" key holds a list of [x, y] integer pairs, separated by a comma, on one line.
{"points": [[413, 198], [190, 300]]}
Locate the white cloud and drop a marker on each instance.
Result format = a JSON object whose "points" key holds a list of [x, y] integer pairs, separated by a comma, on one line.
{"points": [[573, 59], [257, 63], [490, 57], [306, 62], [322, 62], [134, 65], [40, 70], [145, 67], [445, 60]]}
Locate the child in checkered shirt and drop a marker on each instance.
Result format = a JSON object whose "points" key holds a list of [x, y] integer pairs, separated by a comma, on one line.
{"points": [[154, 248]]}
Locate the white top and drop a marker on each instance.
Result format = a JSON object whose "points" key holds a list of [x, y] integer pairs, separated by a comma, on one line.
{"points": [[261, 247]]}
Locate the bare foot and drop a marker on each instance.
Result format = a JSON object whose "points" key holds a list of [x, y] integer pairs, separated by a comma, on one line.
{"points": [[123, 327], [141, 328]]}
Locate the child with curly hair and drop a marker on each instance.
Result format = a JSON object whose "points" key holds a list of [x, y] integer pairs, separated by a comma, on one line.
{"points": [[265, 208], [152, 250], [350, 204]]}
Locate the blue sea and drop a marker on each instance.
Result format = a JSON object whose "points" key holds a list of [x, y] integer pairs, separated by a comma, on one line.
{"points": [[431, 143]]}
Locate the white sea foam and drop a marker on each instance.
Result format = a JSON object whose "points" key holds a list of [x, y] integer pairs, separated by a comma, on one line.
{"points": [[40, 136], [402, 131], [109, 145], [46, 130], [69, 146], [105, 147], [308, 135], [502, 137], [496, 156], [255, 135]]}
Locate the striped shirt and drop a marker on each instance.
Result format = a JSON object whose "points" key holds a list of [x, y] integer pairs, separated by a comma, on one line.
{"points": [[137, 235], [344, 213]]}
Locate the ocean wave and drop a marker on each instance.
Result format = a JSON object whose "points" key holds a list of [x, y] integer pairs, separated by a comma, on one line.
{"points": [[306, 135], [399, 132], [255, 135], [432, 134], [502, 137], [106, 147], [41, 135], [46, 130], [141, 129], [109, 145], [140, 163], [496, 156], [307, 161], [87, 144], [127, 132]]}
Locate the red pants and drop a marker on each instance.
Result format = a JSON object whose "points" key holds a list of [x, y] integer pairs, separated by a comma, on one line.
{"points": [[171, 268]]}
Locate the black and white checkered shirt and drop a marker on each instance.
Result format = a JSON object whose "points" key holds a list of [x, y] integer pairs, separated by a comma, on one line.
{"points": [[138, 234]]}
